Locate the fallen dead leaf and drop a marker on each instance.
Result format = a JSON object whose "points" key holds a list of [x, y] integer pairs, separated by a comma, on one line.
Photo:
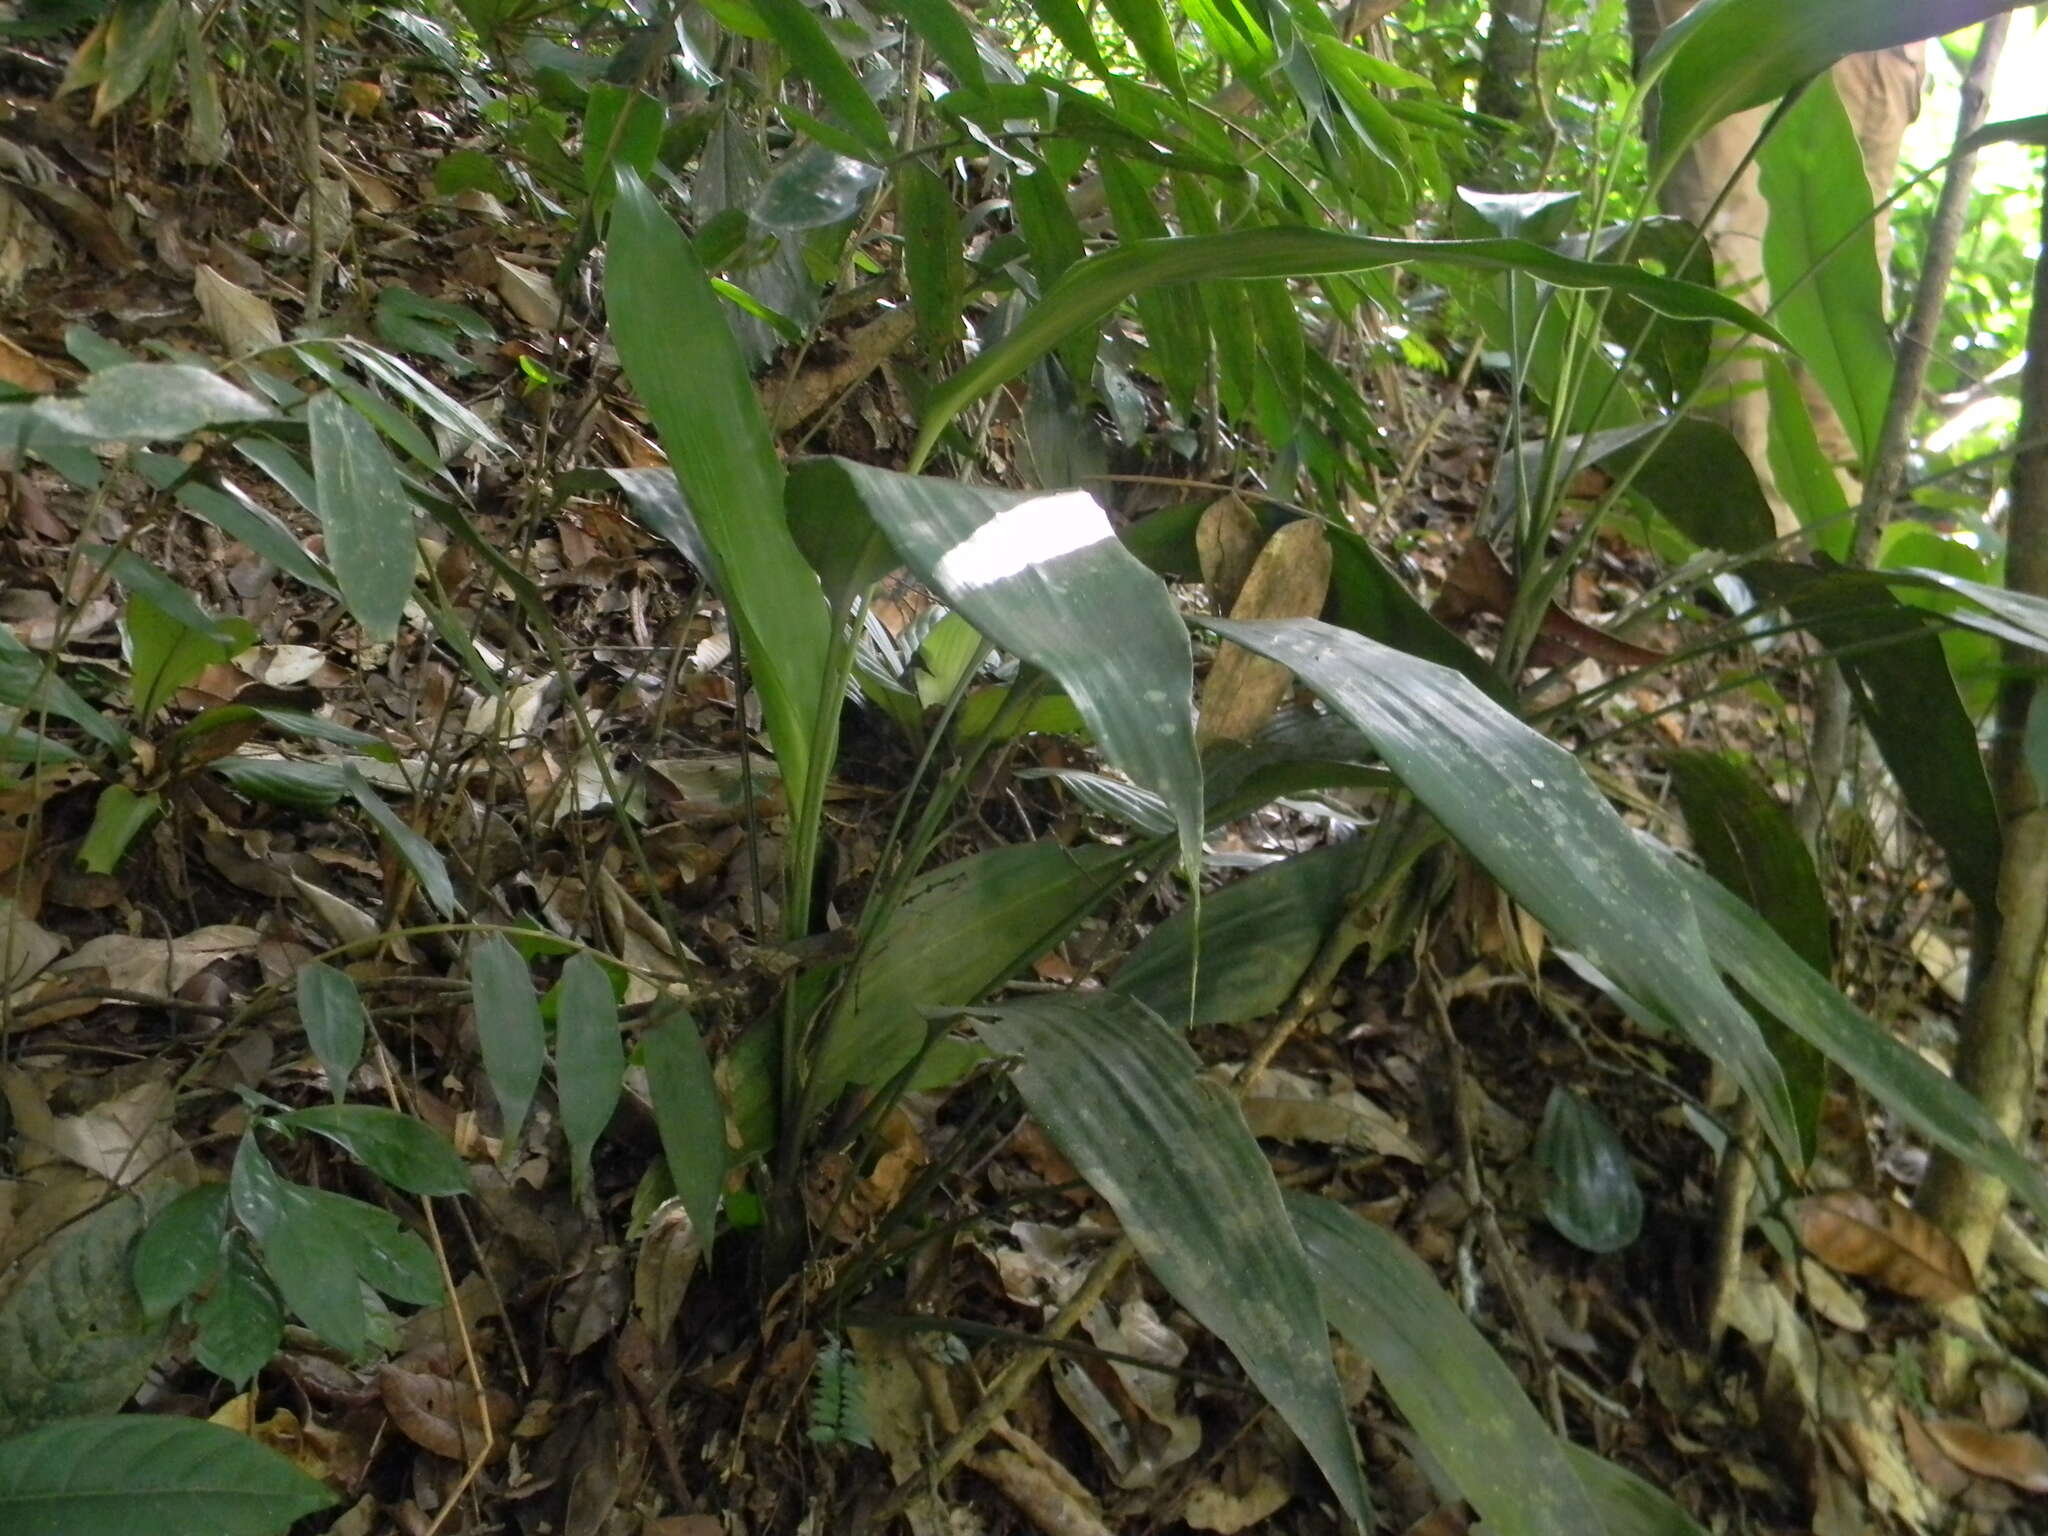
{"points": [[244, 322], [123, 1139], [440, 1415], [23, 370], [1289, 580], [530, 296], [157, 967], [2012, 1456], [1856, 1234]]}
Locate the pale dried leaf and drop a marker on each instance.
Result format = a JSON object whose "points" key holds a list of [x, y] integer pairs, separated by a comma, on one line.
{"points": [[244, 322], [1930, 1461], [123, 1139], [26, 946], [661, 1274], [1880, 1240], [1212, 1507], [1227, 544], [530, 296], [158, 967]]}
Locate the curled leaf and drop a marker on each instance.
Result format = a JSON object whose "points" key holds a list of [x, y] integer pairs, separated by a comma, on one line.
{"points": [[1857, 1234]]}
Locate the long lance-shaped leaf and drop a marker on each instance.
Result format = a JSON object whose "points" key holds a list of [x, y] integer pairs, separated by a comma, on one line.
{"points": [[1096, 286], [672, 338], [1524, 809], [1045, 578], [1803, 1000], [1728, 55], [1121, 1094], [1455, 1391]]}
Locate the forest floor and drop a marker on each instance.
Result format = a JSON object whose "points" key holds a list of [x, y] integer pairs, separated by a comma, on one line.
{"points": [[633, 1391]]}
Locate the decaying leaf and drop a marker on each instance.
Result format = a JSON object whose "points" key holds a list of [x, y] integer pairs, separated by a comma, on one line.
{"points": [[1227, 544], [2011, 1456], [157, 967], [1480, 583], [1881, 1240], [530, 296], [1289, 580], [243, 321], [442, 1416], [123, 1139]]}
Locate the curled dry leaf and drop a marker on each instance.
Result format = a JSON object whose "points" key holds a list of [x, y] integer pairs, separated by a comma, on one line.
{"points": [[440, 1415], [1880, 1240], [2011, 1456]]}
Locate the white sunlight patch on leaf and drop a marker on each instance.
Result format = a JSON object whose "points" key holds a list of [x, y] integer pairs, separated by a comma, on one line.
{"points": [[1031, 533]]}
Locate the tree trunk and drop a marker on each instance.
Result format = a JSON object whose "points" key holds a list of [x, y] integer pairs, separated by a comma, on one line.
{"points": [[1507, 69], [1999, 1056]]}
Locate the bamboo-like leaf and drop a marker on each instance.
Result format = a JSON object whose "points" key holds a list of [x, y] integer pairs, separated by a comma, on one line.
{"points": [[689, 1116], [1768, 971], [958, 931], [1045, 578], [90, 1477], [1525, 810], [365, 512], [1728, 55], [1258, 936], [1820, 251], [673, 339], [509, 1028], [1454, 1390], [590, 1061], [1096, 286], [803, 38], [1121, 1094], [417, 854]]}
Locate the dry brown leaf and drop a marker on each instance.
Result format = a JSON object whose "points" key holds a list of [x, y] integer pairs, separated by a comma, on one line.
{"points": [[1289, 580], [23, 370], [530, 296], [1227, 543], [1479, 583], [1213, 1507], [661, 1274], [26, 946], [1044, 1492], [158, 967], [122, 1139], [440, 1415], [2011, 1456], [244, 322], [1932, 1465], [1855, 1234]]}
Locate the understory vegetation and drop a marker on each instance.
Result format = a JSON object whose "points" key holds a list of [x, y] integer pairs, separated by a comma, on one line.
{"points": [[776, 767]]}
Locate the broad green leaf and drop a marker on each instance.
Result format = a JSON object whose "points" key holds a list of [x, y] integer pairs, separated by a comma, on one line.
{"points": [[1176, 328], [1524, 809], [1122, 1096], [165, 653], [418, 855], [1045, 578], [1767, 969], [278, 781], [19, 745], [118, 817], [607, 141], [1258, 936], [812, 188], [941, 25], [1898, 675], [29, 682], [590, 1061], [657, 501], [1096, 286], [1690, 471], [97, 1477], [241, 1321], [1728, 55], [1805, 479], [677, 350], [133, 403], [386, 1255], [1145, 23], [412, 322], [689, 1116], [293, 722], [1747, 841], [310, 1263], [1820, 251], [365, 512], [1592, 1196], [934, 269], [1628, 1506], [958, 932], [1455, 1391], [816, 58], [509, 1028], [396, 1147], [181, 1251], [73, 1335]]}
